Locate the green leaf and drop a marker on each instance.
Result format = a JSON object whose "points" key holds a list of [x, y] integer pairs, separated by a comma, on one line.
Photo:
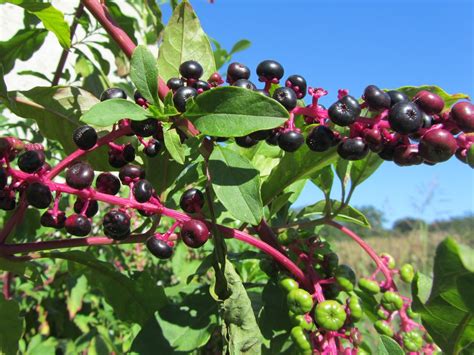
{"points": [[347, 214], [236, 184], [301, 164], [52, 19], [174, 146], [109, 112], [240, 46], [3, 86], [144, 73], [11, 326], [76, 295], [243, 333], [234, 112], [57, 111], [21, 46], [132, 300], [449, 99], [324, 179], [343, 170], [388, 346], [184, 39], [446, 315], [362, 169]]}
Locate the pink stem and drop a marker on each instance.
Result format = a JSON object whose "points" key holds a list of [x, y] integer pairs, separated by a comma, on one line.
{"points": [[16, 218]]}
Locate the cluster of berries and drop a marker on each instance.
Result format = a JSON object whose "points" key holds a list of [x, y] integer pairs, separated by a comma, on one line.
{"points": [[33, 181]]}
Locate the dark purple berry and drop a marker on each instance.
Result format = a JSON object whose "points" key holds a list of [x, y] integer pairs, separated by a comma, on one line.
{"points": [[427, 120], [387, 152], [107, 183], [407, 155], [298, 84], [273, 138], [437, 145], [463, 114], [31, 161], [113, 93], [290, 141], [53, 220], [201, 85], [260, 135], [194, 233], [159, 248], [245, 141], [116, 225], [373, 138], [286, 97], [80, 175], [376, 98], [192, 201], [3, 178], [153, 148], [182, 95], [245, 84], [320, 139], [92, 208], [142, 191], [191, 70], [78, 225], [130, 173], [138, 97], [237, 71], [352, 149], [7, 200], [128, 153], [85, 137], [344, 111], [269, 70], [144, 128], [405, 118], [175, 83], [396, 97], [116, 161], [429, 102], [38, 195]]}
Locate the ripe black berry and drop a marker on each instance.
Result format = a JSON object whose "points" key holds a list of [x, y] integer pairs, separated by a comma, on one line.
{"points": [[113, 93], [7, 200], [175, 83], [407, 155], [159, 248], [144, 128], [3, 178], [373, 138], [38, 195], [463, 114], [138, 97], [245, 141], [237, 71], [427, 120], [116, 161], [92, 208], [290, 141], [396, 97], [194, 233], [130, 173], [31, 161], [85, 137], [128, 153], [429, 102], [320, 139], [269, 70], [152, 149], [245, 84], [191, 70], [107, 184], [116, 225], [376, 98], [182, 95], [286, 96], [78, 225], [352, 149], [53, 220], [387, 152], [192, 201], [142, 191], [201, 85], [437, 145], [344, 111], [260, 135], [405, 118], [273, 138], [80, 175], [298, 84]]}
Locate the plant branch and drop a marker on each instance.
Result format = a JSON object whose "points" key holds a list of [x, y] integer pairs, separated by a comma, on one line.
{"points": [[16, 218], [65, 52]]}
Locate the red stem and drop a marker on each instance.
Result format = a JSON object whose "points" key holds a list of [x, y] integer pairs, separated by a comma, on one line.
{"points": [[7, 282], [14, 219]]}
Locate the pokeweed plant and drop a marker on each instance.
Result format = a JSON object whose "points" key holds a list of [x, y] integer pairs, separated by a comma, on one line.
{"points": [[193, 246]]}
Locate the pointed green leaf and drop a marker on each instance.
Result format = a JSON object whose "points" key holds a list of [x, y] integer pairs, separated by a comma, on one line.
{"points": [[144, 73], [174, 146], [362, 169], [109, 112], [388, 346], [11, 326]]}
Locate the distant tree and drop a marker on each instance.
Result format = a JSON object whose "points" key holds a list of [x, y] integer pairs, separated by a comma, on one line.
{"points": [[408, 224]]}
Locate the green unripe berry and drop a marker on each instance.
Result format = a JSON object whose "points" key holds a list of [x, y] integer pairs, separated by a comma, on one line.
{"points": [[392, 301], [331, 261], [407, 273], [355, 308], [330, 315], [412, 341], [381, 313], [345, 277], [390, 260], [288, 284], [383, 327], [299, 301], [301, 321], [369, 286], [300, 338], [411, 314]]}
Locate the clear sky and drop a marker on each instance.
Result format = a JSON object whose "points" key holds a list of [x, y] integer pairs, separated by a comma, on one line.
{"points": [[351, 44]]}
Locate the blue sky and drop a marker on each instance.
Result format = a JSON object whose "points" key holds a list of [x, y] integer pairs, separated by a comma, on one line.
{"points": [[351, 44]]}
